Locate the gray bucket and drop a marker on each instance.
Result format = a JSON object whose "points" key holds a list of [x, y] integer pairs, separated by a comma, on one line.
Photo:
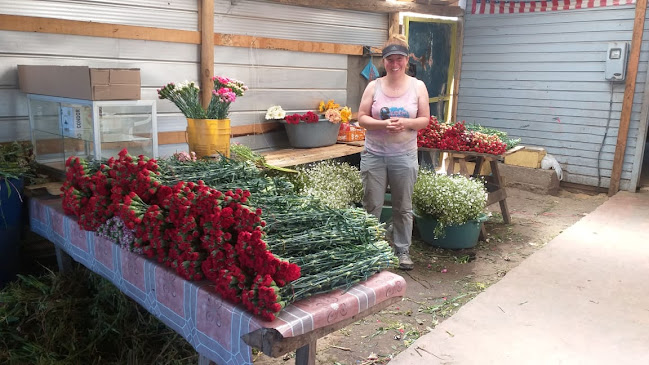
{"points": [[309, 135]]}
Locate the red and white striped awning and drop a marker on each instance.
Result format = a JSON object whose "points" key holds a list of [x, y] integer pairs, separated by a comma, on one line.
{"points": [[511, 7]]}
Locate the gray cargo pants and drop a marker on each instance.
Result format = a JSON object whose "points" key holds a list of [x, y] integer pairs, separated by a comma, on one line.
{"points": [[400, 172]]}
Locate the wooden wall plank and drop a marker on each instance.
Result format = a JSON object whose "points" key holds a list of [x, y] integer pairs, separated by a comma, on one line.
{"points": [[61, 26], [233, 40], [74, 27]]}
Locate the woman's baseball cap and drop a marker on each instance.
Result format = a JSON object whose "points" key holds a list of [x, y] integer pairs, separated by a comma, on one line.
{"points": [[394, 49]]}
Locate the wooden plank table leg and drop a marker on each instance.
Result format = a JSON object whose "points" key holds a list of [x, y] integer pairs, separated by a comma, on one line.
{"points": [[499, 183], [305, 355], [478, 166], [63, 260], [464, 171], [505, 211], [450, 160], [434, 158]]}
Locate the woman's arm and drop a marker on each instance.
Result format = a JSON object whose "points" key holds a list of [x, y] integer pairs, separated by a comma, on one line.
{"points": [[365, 119], [423, 108]]}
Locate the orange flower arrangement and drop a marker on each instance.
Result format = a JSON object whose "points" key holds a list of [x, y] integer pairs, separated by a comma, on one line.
{"points": [[334, 113]]}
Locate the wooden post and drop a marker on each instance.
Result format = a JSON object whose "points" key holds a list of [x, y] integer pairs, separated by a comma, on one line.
{"points": [[458, 68], [627, 103], [206, 16], [393, 24], [63, 260]]}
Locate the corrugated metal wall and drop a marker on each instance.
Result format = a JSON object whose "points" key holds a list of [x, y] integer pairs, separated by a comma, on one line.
{"points": [[296, 80], [540, 77]]}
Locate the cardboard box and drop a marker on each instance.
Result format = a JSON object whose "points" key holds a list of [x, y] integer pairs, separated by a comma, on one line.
{"points": [[81, 82], [525, 156], [352, 134]]}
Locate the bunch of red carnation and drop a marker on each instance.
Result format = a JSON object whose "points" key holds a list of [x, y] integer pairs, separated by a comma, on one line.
{"points": [[94, 193], [308, 117], [456, 137], [195, 229]]}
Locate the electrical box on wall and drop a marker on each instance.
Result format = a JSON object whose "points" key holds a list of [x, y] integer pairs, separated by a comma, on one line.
{"points": [[616, 61]]}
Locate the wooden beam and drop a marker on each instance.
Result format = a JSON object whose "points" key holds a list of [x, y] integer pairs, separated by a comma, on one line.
{"points": [[430, 2], [61, 26], [207, 50], [255, 128], [236, 131], [92, 29], [434, 2], [377, 6], [247, 41], [627, 102]]}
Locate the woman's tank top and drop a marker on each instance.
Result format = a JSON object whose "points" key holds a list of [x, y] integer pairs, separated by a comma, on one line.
{"points": [[383, 143]]}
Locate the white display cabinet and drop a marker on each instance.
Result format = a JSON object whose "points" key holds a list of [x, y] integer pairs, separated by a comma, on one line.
{"points": [[63, 127]]}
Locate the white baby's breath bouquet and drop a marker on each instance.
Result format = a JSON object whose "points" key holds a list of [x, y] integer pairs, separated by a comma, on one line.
{"points": [[275, 112], [451, 200], [336, 184]]}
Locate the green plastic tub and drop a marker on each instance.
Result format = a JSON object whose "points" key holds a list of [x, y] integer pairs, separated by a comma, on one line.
{"points": [[456, 237]]}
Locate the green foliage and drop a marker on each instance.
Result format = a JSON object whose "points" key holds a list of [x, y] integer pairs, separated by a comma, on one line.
{"points": [[16, 160], [81, 318], [336, 184], [451, 200], [510, 142]]}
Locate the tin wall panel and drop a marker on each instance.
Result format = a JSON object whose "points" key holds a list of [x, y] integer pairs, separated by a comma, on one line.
{"points": [[114, 12], [540, 77], [42, 45], [300, 23]]}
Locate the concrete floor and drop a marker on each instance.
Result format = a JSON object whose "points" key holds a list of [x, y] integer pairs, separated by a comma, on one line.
{"points": [[581, 299]]}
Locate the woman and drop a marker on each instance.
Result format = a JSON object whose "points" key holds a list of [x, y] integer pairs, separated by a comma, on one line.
{"points": [[393, 108]]}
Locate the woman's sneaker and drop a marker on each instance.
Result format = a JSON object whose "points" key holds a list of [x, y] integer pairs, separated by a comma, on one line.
{"points": [[405, 263]]}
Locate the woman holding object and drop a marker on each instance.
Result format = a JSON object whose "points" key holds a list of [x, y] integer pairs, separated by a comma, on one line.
{"points": [[393, 108]]}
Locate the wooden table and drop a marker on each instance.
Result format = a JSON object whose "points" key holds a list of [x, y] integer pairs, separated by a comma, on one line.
{"points": [[298, 156], [494, 182], [219, 331]]}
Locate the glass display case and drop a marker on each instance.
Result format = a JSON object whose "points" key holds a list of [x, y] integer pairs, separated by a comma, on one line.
{"points": [[63, 127]]}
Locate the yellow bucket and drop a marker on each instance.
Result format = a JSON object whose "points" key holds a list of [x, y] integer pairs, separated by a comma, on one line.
{"points": [[208, 137]]}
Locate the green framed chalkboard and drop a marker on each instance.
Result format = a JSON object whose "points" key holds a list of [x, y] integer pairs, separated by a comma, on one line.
{"points": [[432, 52]]}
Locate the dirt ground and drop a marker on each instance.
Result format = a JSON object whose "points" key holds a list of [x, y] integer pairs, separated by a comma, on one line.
{"points": [[444, 280]]}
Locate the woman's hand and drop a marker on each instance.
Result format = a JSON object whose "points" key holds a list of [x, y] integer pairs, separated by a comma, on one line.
{"points": [[396, 125]]}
